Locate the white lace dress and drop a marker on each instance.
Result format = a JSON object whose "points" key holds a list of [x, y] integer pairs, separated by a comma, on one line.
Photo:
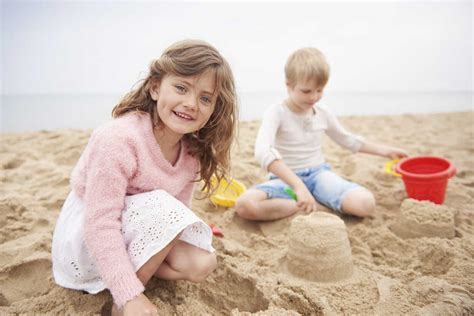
{"points": [[150, 221]]}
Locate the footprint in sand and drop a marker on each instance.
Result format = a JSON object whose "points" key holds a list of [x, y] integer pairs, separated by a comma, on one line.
{"points": [[436, 258], [233, 289], [319, 249], [10, 161], [349, 166], [424, 219], [465, 177], [25, 280], [11, 214], [384, 179]]}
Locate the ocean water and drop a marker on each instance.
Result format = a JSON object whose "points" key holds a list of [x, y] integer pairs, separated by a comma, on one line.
{"points": [[20, 113]]}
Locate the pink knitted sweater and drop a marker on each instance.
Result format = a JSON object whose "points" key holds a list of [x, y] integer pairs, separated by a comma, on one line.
{"points": [[123, 158]]}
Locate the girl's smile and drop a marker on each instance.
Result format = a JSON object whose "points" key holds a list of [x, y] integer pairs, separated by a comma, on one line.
{"points": [[183, 116]]}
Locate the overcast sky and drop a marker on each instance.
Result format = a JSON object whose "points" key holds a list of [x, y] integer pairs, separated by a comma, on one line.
{"points": [[105, 47]]}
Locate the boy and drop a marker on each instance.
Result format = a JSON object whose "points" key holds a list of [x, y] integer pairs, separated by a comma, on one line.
{"points": [[289, 143]]}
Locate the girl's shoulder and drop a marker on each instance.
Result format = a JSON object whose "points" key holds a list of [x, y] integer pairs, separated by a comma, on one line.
{"points": [[130, 128], [126, 125]]}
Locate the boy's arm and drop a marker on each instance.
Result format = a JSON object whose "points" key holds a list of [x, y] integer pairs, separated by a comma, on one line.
{"points": [[281, 170], [356, 143], [265, 152], [339, 134], [382, 150]]}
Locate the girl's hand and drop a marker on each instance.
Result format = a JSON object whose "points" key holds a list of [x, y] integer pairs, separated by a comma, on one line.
{"points": [[305, 200], [140, 306], [396, 153]]}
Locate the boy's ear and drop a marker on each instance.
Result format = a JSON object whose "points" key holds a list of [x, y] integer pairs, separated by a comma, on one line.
{"points": [[154, 90]]}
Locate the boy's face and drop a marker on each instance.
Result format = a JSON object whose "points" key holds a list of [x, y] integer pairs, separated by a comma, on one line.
{"points": [[304, 95]]}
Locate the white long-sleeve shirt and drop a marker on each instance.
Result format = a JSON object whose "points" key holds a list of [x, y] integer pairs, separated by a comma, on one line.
{"points": [[297, 139]]}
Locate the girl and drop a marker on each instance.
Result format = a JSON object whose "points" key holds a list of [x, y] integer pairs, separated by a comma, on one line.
{"points": [[127, 217]]}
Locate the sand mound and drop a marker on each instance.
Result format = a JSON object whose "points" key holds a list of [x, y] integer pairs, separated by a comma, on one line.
{"points": [[424, 219], [319, 249], [392, 275]]}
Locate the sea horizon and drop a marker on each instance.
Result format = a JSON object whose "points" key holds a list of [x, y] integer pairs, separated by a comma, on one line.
{"points": [[34, 112]]}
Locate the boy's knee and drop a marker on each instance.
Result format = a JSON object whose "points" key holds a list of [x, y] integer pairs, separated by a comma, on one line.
{"points": [[360, 203], [367, 205], [203, 268], [246, 209]]}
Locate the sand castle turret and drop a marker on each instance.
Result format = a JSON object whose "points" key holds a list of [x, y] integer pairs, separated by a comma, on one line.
{"points": [[319, 248]]}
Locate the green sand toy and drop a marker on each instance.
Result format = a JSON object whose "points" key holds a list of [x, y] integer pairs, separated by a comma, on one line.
{"points": [[291, 193]]}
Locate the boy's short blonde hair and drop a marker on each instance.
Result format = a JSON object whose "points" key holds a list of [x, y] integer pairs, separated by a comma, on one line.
{"points": [[307, 64]]}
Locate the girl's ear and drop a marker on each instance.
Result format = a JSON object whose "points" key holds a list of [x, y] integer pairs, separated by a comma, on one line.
{"points": [[154, 90]]}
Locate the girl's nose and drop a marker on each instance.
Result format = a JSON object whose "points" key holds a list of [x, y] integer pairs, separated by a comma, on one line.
{"points": [[191, 101]]}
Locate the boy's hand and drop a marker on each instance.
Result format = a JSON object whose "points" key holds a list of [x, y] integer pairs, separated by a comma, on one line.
{"points": [[396, 153], [305, 201], [140, 305]]}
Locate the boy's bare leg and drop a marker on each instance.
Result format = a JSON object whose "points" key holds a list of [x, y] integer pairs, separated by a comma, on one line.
{"points": [[187, 262], [254, 205], [359, 202]]}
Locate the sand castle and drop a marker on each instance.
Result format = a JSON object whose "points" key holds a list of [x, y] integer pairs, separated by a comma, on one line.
{"points": [[424, 219], [319, 248]]}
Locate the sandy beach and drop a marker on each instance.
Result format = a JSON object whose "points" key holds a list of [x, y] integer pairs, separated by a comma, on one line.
{"points": [[411, 257]]}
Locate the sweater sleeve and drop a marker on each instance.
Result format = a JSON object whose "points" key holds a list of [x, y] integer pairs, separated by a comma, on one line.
{"points": [[265, 152], [111, 162], [342, 137]]}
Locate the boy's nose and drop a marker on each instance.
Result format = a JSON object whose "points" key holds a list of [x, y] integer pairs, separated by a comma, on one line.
{"points": [[315, 97]]}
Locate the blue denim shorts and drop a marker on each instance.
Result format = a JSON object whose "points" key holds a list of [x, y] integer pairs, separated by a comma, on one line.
{"points": [[327, 187]]}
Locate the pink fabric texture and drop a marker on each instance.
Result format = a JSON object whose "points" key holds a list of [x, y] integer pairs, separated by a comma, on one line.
{"points": [[122, 158]]}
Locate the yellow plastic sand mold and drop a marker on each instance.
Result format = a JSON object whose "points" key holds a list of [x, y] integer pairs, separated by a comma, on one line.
{"points": [[227, 192], [388, 168]]}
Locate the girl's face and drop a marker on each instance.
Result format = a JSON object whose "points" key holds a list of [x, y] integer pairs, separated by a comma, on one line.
{"points": [[304, 95], [185, 104]]}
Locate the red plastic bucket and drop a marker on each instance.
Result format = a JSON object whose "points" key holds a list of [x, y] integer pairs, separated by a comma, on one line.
{"points": [[426, 177]]}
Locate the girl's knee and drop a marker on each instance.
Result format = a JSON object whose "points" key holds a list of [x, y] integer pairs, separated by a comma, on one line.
{"points": [[203, 267]]}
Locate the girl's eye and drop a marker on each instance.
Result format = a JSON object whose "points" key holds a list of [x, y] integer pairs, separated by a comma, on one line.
{"points": [[180, 88], [206, 99]]}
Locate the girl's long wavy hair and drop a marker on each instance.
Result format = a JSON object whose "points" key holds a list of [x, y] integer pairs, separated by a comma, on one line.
{"points": [[211, 144]]}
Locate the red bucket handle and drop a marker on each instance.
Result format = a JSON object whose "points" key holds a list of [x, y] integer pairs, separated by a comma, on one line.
{"points": [[452, 172]]}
